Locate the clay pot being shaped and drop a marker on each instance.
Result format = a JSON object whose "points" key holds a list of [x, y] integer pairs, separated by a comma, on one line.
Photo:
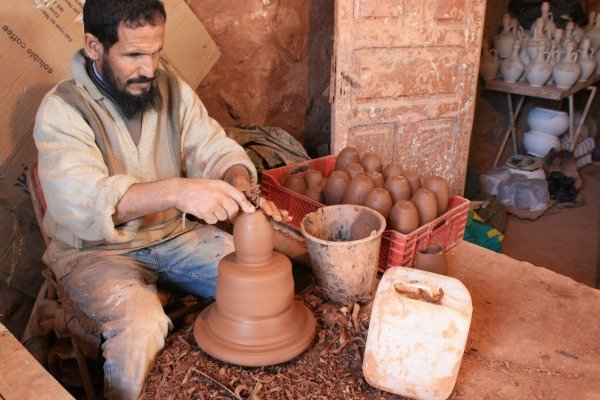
{"points": [[504, 41], [391, 169], [371, 162], [379, 200], [378, 178], [539, 70], [414, 181], [315, 193], [255, 320], [335, 187], [490, 63], [567, 71], [296, 183], [512, 68], [587, 62], [403, 217], [431, 259], [426, 204], [439, 186], [358, 190], [313, 177], [398, 187], [354, 169], [346, 156]]}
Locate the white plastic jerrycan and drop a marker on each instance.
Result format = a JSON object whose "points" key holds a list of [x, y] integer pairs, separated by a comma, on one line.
{"points": [[417, 334]]}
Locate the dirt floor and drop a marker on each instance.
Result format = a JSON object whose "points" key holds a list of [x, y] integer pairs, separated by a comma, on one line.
{"points": [[534, 335], [564, 240]]}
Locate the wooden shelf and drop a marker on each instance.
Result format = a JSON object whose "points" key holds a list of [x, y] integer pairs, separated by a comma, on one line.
{"points": [[550, 92]]}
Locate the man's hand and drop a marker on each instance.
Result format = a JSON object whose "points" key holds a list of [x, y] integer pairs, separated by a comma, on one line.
{"points": [[238, 177], [211, 200]]}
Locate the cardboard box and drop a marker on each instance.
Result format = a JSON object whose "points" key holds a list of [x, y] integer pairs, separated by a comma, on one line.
{"points": [[37, 41]]}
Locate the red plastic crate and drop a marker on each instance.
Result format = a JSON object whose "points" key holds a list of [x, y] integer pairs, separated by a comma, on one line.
{"points": [[397, 249]]}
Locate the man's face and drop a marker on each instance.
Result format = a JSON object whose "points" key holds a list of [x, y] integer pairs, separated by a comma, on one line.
{"points": [[130, 64]]}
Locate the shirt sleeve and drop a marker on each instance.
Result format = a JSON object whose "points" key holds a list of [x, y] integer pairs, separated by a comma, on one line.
{"points": [[207, 150], [80, 195]]}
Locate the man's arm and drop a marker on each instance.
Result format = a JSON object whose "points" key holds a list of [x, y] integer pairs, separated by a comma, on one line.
{"points": [[209, 200]]}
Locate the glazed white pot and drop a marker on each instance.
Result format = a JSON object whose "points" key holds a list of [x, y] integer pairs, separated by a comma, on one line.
{"points": [[549, 121], [539, 143]]}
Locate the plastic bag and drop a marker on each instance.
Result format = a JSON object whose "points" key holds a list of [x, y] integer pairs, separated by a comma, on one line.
{"points": [[522, 193], [492, 179]]}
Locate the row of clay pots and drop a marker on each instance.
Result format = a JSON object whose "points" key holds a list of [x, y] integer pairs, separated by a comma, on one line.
{"points": [[403, 198]]}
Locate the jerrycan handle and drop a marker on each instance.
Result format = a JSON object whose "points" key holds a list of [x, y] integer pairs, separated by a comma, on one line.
{"points": [[420, 291]]}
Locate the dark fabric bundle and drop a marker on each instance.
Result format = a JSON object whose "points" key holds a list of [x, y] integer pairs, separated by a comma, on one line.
{"points": [[561, 187]]}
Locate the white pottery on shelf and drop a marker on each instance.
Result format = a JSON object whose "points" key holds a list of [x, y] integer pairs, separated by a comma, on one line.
{"points": [[594, 33], [539, 143], [512, 68], [490, 63], [586, 60], [549, 121], [539, 70], [591, 21], [503, 42], [567, 71]]}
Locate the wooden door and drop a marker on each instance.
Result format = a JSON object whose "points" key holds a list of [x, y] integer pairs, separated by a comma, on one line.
{"points": [[404, 81]]}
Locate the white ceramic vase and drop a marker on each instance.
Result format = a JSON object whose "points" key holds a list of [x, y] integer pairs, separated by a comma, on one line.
{"points": [[539, 143], [567, 71], [503, 42], [512, 68], [587, 62], [552, 122], [540, 70]]}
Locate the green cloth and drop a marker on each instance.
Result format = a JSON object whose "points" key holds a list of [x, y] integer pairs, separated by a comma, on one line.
{"points": [[482, 234]]}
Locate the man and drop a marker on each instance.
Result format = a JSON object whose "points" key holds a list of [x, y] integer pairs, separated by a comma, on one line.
{"points": [[125, 151]]}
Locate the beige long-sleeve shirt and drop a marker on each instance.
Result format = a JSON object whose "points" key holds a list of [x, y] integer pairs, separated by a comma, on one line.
{"points": [[82, 189]]}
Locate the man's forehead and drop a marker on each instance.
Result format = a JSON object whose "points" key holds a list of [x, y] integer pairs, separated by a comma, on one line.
{"points": [[145, 37]]}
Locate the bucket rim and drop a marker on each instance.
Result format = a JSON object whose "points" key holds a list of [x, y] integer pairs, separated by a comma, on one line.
{"points": [[378, 232]]}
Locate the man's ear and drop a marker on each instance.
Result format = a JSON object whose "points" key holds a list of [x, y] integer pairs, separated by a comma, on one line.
{"points": [[92, 46]]}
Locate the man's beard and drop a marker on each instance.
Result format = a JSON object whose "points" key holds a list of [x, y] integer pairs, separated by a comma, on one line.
{"points": [[130, 104]]}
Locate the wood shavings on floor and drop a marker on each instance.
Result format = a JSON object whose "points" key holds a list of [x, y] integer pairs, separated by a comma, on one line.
{"points": [[331, 368]]}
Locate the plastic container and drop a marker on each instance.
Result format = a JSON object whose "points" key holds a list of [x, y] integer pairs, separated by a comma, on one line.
{"points": [[397, 249], [415, 344]]}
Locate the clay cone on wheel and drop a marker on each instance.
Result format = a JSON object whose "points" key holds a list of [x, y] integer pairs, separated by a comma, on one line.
{"points": [[255, 320]]}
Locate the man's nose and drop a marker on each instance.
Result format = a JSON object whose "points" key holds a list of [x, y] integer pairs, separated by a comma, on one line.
{"points": [[148, 65]]}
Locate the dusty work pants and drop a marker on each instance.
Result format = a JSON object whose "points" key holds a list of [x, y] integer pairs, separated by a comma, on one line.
{"points": [[120, 292]]}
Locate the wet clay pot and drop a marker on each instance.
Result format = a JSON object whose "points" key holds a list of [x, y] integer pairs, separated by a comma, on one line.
{"points": [[439, 186], [371, 162], [346, 156], [335, 187], [358, 190], [255, 320], [431, 259], [392, 170], [296, 183], [403, 217], [398, 187], [379, 200], [414, 181], [377, 177], [426, 204], [354, 169], [313, 177]]}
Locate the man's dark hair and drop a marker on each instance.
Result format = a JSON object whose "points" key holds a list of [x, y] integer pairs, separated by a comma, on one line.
{"points": [[102, 18]]}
